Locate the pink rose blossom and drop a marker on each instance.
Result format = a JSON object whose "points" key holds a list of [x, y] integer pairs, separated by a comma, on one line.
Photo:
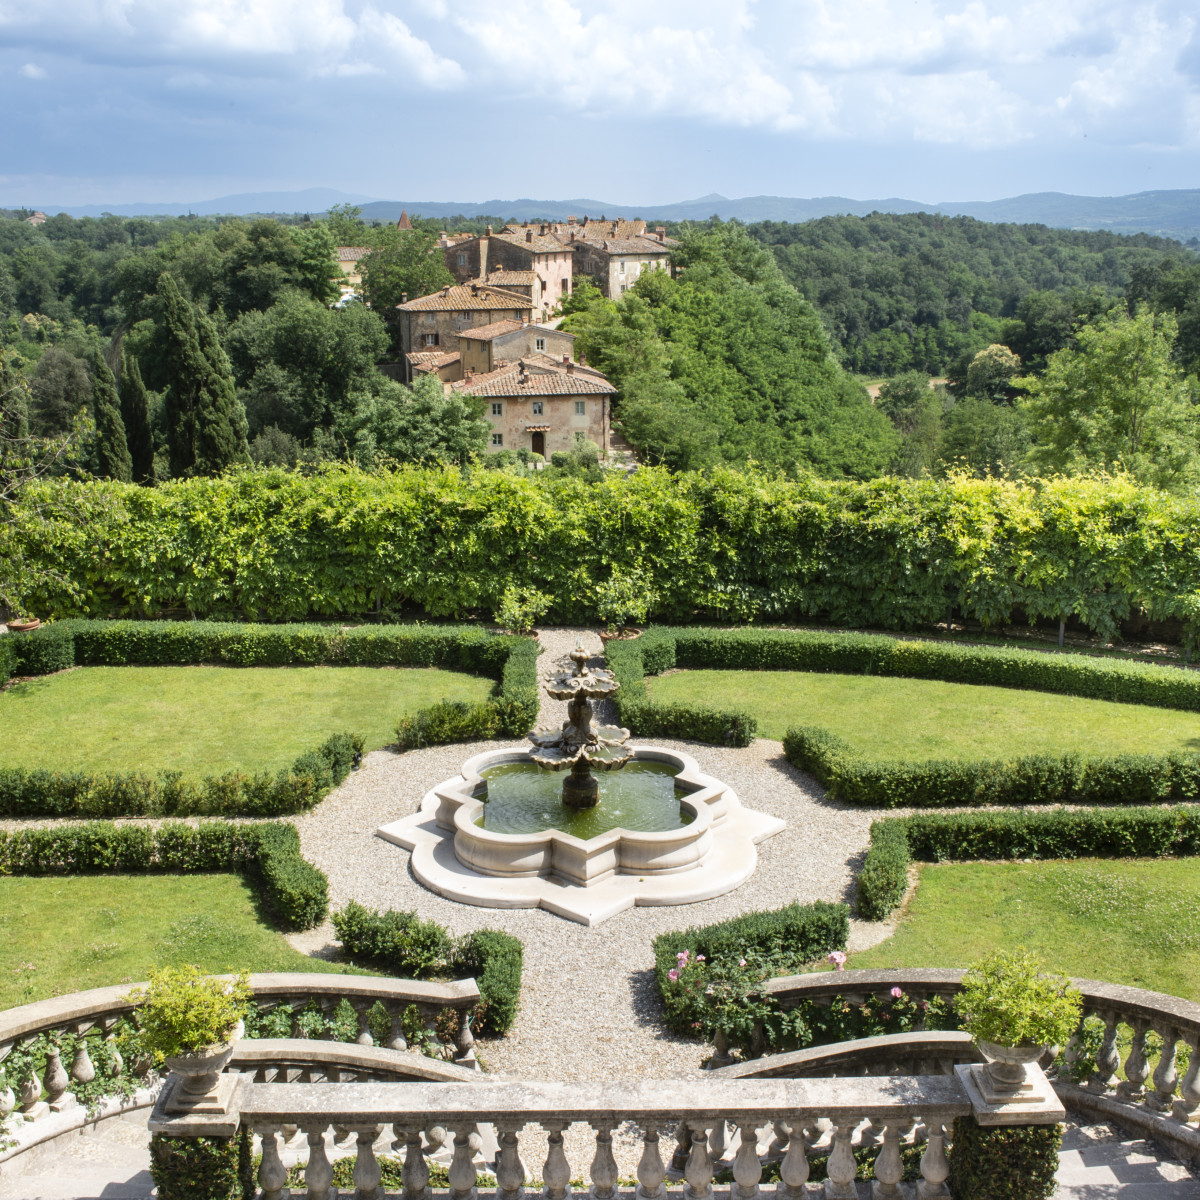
{"points": [[897, 993], [699, 957], [838, 959], [672, 974]]}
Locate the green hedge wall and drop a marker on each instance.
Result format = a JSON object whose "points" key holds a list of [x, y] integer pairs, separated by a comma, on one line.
{"points": [[722, 546], [203, 1168], [43, 793], [662, 648], [408, 947], [1008, 1163], [8, 657], [269, 853], [1056, 834], [1036, 779]]}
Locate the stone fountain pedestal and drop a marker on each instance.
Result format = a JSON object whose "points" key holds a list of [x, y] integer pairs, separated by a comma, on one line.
{"points": [[583, 880]]}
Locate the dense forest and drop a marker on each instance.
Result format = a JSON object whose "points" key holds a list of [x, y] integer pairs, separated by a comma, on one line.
{"points": [[917, 291]]}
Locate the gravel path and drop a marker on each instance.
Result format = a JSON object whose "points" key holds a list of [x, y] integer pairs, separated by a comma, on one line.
{"points": [[588, 1008]]}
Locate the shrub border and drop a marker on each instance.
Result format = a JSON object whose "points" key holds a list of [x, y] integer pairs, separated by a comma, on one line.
{"points": [[999, 836], [267, 852]]}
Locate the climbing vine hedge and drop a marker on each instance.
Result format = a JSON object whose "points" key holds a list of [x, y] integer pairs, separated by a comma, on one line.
{"points": [[723, 546]]}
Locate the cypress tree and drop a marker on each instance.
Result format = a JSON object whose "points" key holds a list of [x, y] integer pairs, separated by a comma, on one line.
{"points": [[112, 452], [135, 412], [206, 423]]}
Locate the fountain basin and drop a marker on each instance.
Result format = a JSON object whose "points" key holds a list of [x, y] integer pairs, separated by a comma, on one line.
{"points": [[588, 879]]}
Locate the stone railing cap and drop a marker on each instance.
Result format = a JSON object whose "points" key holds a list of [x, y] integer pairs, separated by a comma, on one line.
{"points": [[252, 1053], [921, 1044]]}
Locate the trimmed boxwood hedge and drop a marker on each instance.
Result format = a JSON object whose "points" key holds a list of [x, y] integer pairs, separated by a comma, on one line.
{"points": [[1016, 1162], [203, 1168], [44, 793], [268, 853], [406, 946], [662, 648], [1055, 834]]}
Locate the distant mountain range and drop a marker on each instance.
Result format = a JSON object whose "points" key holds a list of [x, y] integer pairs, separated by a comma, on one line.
{"points": [[1173, 214]]}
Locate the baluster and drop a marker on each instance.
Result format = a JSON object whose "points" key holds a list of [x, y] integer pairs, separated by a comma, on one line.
{"points": [[842, 1168], [82, 1069], [747, 1170], [720, 1056], [272, 1174], [362, 1010], [431, 1033], [1137, 1069], [462, 1168], [1071, 1053], [604, 1166], [367, 1173], [510, 1170], [779, 1143], [319, 1172], [32, 1104], [650, 1169], [1165, 1075], [464, 1041], [794, 1168], [872, 1135], [288, 1132], [699, 1170], [718, 1141], [683, 1147], [414, 1175], [889, 1170], [55, 1081], [396, 1038], [1108, 1059], [557, 1172], [114, 1054], [935, 1169], [1187, 1109]]}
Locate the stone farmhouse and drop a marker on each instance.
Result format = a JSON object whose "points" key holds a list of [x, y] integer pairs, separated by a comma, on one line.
{"points": [[540, 404], [612, 253], [543, 263], [433, 323]]}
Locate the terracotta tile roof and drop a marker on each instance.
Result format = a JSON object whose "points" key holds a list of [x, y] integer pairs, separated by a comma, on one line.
{"points": [[431, 360], [509, 279], [467, 296], [636, 245], [485, 333], [546, 378], [352, 253], [532, 241]]}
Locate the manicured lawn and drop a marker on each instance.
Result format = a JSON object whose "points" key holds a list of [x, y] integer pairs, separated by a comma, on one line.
{"points": [[61, 935], [1134, 922], [921, 718], [206, 720]]}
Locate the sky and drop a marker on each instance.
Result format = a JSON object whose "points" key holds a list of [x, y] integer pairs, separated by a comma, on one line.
{"points": [[633, 101]]}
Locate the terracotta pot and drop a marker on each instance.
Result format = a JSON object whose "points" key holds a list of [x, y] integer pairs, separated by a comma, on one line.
{"points": [[627, 635], [24, 626], [201, 1069]]}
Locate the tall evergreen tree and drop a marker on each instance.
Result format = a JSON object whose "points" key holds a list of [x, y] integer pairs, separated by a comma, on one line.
{"points": [[206, 423], [112, 452], [135, 413]]}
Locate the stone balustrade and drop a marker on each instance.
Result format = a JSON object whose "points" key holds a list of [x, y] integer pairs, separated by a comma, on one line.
{"points": [[100, 1009], [1155, 1099], [829, 1117]]}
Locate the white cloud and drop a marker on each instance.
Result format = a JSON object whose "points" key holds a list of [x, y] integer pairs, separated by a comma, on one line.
{"points": [[32, 71]]}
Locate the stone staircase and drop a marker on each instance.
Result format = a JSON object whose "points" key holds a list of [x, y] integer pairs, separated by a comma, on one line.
{"points": [[111, 1162]]}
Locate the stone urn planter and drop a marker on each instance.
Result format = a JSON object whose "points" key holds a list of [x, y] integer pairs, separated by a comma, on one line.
{"points": [[20, 626], [1007, 1068], [200, 1070], [625, 635]]}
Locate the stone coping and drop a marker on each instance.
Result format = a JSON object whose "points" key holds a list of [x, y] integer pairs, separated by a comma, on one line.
{"points": [[935, 1044], [1138, 1003], [649, 1102], [251, 1054], [85, 1008]]}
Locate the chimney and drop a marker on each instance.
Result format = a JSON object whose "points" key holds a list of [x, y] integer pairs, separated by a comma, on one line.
{"points": [[489, 232], [570, 220], [446, 290], [403, 297], [583, 360], [529, 235], [570, 367], [661, 232], [566, 358]]}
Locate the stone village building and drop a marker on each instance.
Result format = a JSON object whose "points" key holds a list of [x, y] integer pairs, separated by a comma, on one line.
{"points": [[543, 263]]}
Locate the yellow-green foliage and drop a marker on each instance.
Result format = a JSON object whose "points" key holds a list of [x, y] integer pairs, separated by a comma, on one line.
{"points": [[724, 546], [183, 1010]]}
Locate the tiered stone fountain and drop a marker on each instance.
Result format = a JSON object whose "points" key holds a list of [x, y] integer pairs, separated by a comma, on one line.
{"points": [[505, 835]]}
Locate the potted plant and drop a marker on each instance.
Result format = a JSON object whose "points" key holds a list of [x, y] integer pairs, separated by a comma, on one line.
{"points": [[1016, 1010], [23, 624], [624, 600], [191, 1021], [520, 608]]}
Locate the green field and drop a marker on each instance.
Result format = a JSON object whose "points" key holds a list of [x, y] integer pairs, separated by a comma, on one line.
{"points": [[64, 935], [207, 720], [1135, 922], [922, 718]]}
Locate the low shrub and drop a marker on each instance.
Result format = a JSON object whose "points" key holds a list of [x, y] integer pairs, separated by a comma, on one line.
{"points": [[42, 793], [444, 722], [1156, 832], [269, 853], [44, 651], [8, 658], [183, 1010], [883, 879], [709, 977], [952, 783], [411, 948], [203, 1168], [1003, 1162]]}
